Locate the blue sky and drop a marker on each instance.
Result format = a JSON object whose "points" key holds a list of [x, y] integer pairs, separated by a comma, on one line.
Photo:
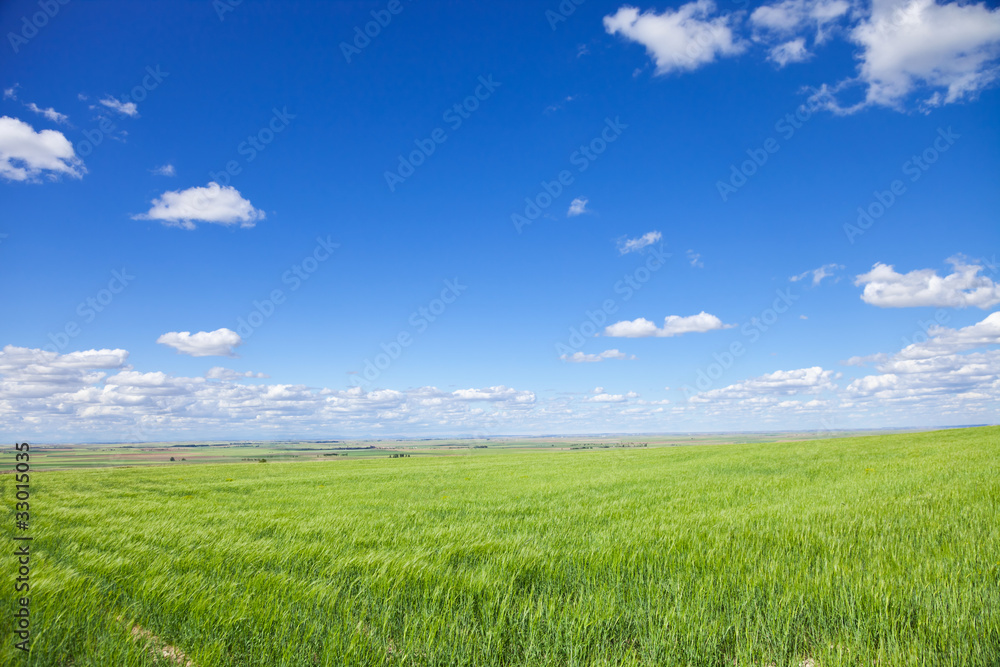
{"points": [[637, 175]]}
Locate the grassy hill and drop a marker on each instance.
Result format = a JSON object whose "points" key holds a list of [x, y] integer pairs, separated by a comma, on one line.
{"points": [[879, 550]]}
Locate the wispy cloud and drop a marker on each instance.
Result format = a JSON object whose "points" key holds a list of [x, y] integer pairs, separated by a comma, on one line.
{"points": [[124, 108], [49, 113], [220, 373], [164, 170], [825, 271], [600, 396], [631, 245], [577, 207], [580, 357]]}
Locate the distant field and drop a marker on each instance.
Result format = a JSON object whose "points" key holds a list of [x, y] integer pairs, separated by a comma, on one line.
{"points": [[880, 550], [62, 457]]}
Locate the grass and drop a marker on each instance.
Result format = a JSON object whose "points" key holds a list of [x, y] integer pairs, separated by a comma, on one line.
{"points": [[856, 551]]}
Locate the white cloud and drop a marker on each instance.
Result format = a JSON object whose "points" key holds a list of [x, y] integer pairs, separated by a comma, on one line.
{"points": [[631, 245], [695, 259], [223, 205], [129, 109], [680, 40], [944, 341], [886, 288], [552, 108], [947, 52], [30, 374], [220, 373], [496, 394], [49, 113], [580, 357], [164, 170], [939, 52], [770, 386], [218, 343], [11, 93], [865, 360], [26, 154], [601, 397], [94, 394], [673, 325], [792, 51], [577, 207], [943, 370], [825, 271], [792, 16]]}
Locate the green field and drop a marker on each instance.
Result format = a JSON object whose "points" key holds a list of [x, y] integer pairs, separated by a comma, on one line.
{"points": [[881, 550]]}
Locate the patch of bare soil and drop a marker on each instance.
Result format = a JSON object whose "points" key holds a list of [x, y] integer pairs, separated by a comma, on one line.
{"points": [[157, 647]]}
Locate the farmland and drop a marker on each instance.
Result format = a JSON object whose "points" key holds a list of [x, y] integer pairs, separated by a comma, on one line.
{"points": [[873, 550], [62, 457]]}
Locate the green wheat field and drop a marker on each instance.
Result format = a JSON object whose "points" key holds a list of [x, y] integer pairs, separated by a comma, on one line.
{"points": [[875, 550]]}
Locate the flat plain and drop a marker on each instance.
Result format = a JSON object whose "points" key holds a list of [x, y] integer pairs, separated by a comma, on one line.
{"points": [[873, 550]]}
